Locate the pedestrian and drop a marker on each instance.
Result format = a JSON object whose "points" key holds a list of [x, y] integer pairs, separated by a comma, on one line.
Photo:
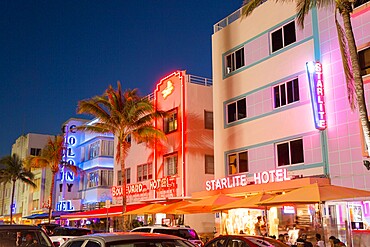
{"points": [[319, 241], [257, 226], [281, 238], [303, 239], [334, 242]]}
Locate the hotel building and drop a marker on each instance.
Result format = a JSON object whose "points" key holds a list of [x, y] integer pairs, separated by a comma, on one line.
{"points": [[27, 200], [281, 107]]}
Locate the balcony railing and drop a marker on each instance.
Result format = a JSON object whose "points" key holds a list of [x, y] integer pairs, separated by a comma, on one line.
{"points": [[199, 80], [229, 19]]}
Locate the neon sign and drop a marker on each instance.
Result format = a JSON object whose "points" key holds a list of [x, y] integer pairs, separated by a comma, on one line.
{"points": [[65, 206], [265, 177], [67, 176], [277, 175], [166, 183], [314, 71], [168, 90], [131, 189]]}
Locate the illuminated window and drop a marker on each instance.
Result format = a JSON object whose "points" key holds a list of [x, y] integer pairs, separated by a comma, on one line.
{"points": [[35, 204], [170, 122], [364, 59], [234, 61], [209, 164], [107, 148], [359, 3], [238, 162], [208, 120], [144, 172], [286, 93], [290, 153], [283, 36], [94, 150], [236, 110], [35, 151], [170, 164], [92, 179]]}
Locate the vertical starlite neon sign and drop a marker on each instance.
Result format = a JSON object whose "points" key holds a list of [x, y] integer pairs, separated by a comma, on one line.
{"points": [[314, 71]]}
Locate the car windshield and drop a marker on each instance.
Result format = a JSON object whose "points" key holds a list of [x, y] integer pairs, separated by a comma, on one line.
{"points": [[151, 243], [20, 237]]}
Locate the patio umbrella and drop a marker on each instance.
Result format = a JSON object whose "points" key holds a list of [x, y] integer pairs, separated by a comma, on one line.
{"points": [[315, 193], [172, 208], [144, 210], [248, 202], [207, 204]]}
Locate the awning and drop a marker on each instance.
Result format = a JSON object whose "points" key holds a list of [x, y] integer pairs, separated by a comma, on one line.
{"points": [[102, 212], [45, 215]]}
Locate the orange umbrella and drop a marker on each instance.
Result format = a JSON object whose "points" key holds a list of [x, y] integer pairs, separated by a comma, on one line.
{"points": [[171, 208], [248, 202], [207, 204], [144, 210], [315, 193]]}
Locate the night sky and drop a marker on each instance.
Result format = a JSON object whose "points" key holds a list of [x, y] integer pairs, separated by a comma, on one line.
{"points": [[54, 53]]}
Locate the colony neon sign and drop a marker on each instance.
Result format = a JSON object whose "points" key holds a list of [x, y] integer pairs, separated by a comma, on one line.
{"points": [[265, 177], [314, 71]]}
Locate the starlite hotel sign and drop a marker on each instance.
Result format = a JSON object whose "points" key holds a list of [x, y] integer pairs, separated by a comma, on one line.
{"points": [[314, 72], [264, 177]]}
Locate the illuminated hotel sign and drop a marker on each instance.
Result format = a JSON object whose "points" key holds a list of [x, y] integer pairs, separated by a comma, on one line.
{"points": [[65, 206], [168, 90], [278, 175], [167, 183], [314, 71], [131, 189]]}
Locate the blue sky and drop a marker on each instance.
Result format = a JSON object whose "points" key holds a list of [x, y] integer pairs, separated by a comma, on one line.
{"points": [[55, 53]]}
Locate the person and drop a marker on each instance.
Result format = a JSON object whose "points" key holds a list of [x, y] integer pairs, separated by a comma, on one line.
{"points": [[281, 238], [303, 239], [319, 241], [30, 242], [257, 226], [334, 242], [287, 239]]}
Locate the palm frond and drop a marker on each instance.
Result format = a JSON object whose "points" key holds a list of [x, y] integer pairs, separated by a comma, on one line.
{"points": [[347, 67], [249, 6]]}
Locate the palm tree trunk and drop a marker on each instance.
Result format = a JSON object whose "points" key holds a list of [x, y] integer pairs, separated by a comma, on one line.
{"points": [[12, 202], [124, 182], [359, 85], [3, 199], [50, 205]]}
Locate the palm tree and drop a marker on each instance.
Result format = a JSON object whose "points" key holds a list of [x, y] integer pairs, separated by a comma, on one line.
{"points": [[14, 170], [123, 114], [51, 157], [348, 49], [3, 182]]}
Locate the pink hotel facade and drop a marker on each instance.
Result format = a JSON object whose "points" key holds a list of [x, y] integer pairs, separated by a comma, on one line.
{"points": [[264, 112]]}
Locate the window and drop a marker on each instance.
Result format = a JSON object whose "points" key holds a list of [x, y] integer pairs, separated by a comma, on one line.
{"points": [[106, 178], [290, 153], [238, 162], [283, 36], [92, 179], [235, 61], [237, 110], [144, 172], [364, 59], [128, 176], [286, 93], [35, 151], [209, 164], [170, 122], [208, 120], [35, 204], [359, 3], [94, 150], [107, 148], [170, 164]]}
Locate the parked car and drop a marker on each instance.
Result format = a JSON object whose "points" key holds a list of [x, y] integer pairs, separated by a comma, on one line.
{"points": [[180, 231], [62, 234], [133, 239], [19, 235], [244, 241]]}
